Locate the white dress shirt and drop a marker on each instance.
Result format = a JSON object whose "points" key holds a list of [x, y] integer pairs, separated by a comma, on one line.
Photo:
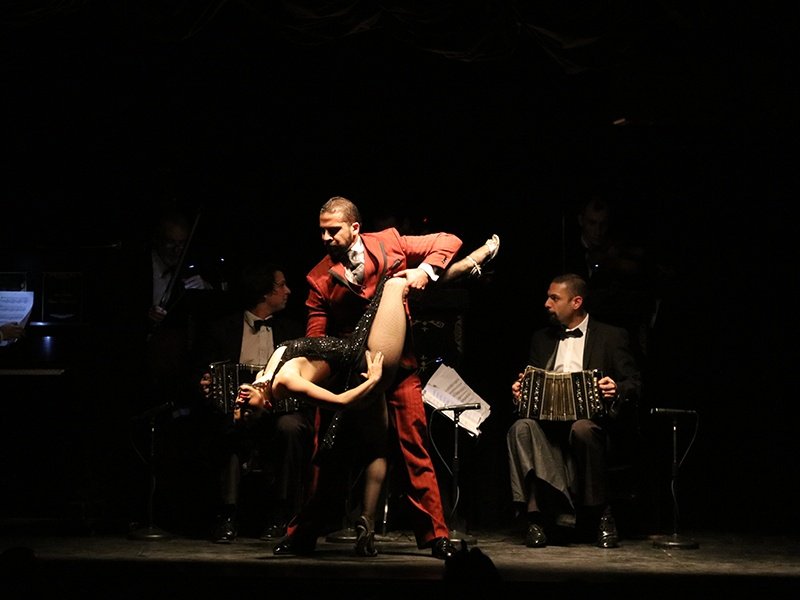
{"points": [[354, 271], [257, 346], [569, 357]]}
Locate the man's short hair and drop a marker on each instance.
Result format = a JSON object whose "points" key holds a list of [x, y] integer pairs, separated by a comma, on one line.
{"points": [[342, 205]]}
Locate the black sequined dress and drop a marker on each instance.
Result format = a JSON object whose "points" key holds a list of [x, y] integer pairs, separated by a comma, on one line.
{"points": [[346, 356]]}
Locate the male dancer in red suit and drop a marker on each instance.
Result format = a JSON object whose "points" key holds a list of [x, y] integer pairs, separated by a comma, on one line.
{"points": [[340, 287]]}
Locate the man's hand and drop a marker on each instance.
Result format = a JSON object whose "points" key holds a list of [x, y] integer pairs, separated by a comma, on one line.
{"points": [[516, 389], [205, 385], [608, 387], [156, 314], [417, 278], [196, 282], [12, 332]]}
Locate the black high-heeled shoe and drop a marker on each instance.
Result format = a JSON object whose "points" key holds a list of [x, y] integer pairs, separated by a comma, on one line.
{"points": [[365, 537]]}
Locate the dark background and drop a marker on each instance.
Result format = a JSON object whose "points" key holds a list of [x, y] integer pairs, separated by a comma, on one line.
{"points": [[471, 117]]}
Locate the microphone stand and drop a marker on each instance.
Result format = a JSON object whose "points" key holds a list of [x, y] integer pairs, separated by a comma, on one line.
{"points": [[457, 536], [150, 531], [675, 540]]}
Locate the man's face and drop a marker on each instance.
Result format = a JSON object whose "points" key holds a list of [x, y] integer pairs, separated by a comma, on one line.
{"points": [[337, 234], [560, 304], [594, 224], [171, 241], [279, 295]]}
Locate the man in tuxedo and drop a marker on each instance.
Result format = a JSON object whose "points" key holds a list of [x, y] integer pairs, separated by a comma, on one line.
{"points": [[624, 277], [341, 285], [165, 286], [279, 442], [558, 468]]}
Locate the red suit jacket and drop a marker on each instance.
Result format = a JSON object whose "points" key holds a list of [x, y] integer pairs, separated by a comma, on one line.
{"points": [[335, 305]]}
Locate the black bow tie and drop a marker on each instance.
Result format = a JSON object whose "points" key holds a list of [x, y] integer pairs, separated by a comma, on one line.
{"points": [[576, 333], [259, 324]]}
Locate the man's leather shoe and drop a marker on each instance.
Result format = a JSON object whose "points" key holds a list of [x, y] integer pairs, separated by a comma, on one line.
{"points": [[607, 536], [274, 532], [443, 548], [293, 547], [224, 531], [535, 536]]}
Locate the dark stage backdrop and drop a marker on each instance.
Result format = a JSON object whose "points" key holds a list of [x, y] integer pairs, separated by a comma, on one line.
{"points": [[692, 132]]}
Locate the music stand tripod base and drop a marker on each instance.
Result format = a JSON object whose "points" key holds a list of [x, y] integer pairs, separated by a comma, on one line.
{"points": [[150, 532], [342, 536], [457, 537], [675, 541]]}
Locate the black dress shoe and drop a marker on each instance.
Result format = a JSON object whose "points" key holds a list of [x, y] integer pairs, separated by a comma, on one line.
{"points": [[274, 532], [293, 547], [443, 548], [225, 531], [535, 536], [607, 536]]}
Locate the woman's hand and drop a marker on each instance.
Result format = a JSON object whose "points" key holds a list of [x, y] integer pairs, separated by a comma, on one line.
{"points": [[364, 395], [253, 396], [374, 367]]}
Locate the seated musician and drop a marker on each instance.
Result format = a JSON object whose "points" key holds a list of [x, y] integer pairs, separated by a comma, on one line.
{"points": [[558, 467], [280, 444]]}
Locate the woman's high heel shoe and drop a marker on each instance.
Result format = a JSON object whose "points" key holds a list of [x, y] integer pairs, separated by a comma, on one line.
{"points": [[493, 245], [365, 537]]}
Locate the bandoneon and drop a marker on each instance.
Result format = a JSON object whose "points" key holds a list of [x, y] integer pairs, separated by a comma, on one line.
{"points": [[226, 377], [551, 396]]}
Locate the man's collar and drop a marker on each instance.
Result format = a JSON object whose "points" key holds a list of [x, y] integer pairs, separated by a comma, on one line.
{"points": [[358, 246], [250, 318]]}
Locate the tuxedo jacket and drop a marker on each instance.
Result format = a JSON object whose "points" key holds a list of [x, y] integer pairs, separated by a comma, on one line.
{"points": [[335, 305], [221, 339], [606, 348]]}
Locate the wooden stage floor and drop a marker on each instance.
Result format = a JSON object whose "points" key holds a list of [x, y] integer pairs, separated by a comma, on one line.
{"points": [[48, 558]]}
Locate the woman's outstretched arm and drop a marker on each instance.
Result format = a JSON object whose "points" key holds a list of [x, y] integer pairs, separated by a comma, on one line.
{"points": [[292, 383]]}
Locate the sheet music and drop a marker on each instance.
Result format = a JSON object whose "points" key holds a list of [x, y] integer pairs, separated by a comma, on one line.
{"points": [[15, 307], [446, 388]]}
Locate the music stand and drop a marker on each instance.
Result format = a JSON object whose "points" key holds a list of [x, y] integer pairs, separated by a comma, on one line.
{"points": [[457, 536], [150, 531], [675, 540]]}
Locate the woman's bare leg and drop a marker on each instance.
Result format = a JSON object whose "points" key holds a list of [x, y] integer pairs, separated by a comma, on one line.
{"points": [[388, 332], [387, 335]]}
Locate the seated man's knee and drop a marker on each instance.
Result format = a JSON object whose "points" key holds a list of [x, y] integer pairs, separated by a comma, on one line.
{"points": [[583, 429]]}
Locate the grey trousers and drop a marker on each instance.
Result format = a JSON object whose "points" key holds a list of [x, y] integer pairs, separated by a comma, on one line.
{"points": [[569, 456]]}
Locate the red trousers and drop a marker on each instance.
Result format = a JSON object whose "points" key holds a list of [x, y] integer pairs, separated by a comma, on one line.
{"points": [[407, 416]]}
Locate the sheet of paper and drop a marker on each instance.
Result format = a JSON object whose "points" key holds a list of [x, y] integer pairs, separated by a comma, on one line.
{"points": [[15, 307], [445, 388]]}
